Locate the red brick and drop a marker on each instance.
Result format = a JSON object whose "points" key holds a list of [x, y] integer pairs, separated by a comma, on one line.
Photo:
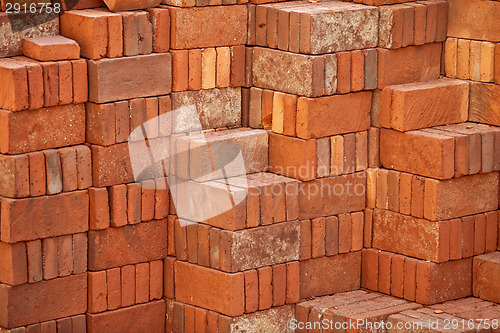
{"points": [[64, 325], [357, 70], [238, 66], [447, 199], [305, 240], [89, 29], [142, 283], [437, 160], [462, 26], [35, 261], [65, 83], [410, 274], [384, 272], [451, 107], [134, 203], [160, 19], [42, 301], [218, 291], [313, 113], [101, 119], [216, 21], [17, 218], [111, 165], [479, 234], [316, 197], [279, 284], [51, 83], [140, 76], [292, 282], [430, 240], [128, 284], [409, 64], [69, 169], [142, 318], [332, 236], [345, 233], [265, 288], [97, 291], [437, 283], [114, 292], [292, 157], [14, 90], [14, 263], [251, 291], [318, 237], [45, 24], [369, 269], [80, 84], [223, 67], [484, 103], [67, 127], [114, 247], [51, 48], [485, 275], [195, 69], [391, 26], [15, 172], [53, 171], [344, 62], [180, 70], [397, 275], [99, 208], [147, 200], [155, 280], [48, 326], [49, 248], [456, 238], [65, 255]]}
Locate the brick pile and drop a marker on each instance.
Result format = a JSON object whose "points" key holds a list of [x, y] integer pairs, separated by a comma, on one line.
{"points": [[365, 183]]}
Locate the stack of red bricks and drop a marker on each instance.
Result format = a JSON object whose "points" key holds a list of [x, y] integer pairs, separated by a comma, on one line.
{"points": [[368, 133]]}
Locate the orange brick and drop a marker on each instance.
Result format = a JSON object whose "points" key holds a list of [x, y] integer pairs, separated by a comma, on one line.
{"points": [[357, 70], [65, 82], [279, 284], [265, 288], [65, 255], [142, 283], [223, 71], [251, 291], [345, 233], [292, 157], [208, 76], [318, 229], [207, 287], [344, 63], [113, 280], [128, 285], [292, 282], [97, 291]]}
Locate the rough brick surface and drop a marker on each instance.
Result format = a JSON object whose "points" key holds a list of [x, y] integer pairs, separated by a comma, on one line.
{"points": [[33, 303], [419, 105], [485, 278], [214, 30], [56, 215], [130, 77], [51, 48], [115, 247]]}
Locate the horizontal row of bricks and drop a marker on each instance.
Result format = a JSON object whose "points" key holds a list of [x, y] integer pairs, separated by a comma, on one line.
{"points": [[346, 308], [464, 149], [325, 157], [446, 240], [44, 172], [117, 34], [413, 279], [262, 288], [276, 111], [413, 23], [43, 259], [131, 203], [112, 123], [225, 250], [125, 286], [269, 200], [472, 60], [345, 72], [208, 68], [75, 324], [202, 3], [417, 196], [29, 84], [400, 25], [327, 236]]}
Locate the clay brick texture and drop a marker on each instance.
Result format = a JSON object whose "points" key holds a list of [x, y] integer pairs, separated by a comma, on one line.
{"points": [[249, 165]]}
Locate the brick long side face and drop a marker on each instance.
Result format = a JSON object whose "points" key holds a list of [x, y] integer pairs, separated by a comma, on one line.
{"points": [[248, 165]]}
